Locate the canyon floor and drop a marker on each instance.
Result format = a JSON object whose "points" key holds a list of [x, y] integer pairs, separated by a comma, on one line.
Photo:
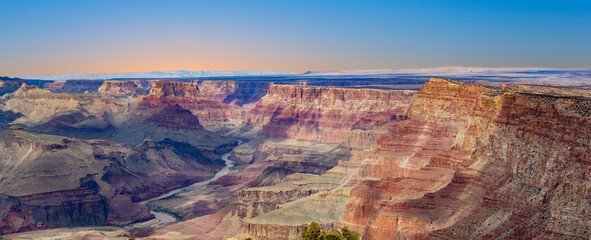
{"points": [[403, 155]]}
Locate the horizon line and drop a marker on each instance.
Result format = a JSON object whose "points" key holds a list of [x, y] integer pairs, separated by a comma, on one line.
{"points": [[451, 68]]}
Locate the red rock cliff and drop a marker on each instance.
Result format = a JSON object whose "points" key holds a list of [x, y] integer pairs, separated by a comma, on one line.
{"points": [[119, 88], [234, 92], [213, 115], [175, 89], [324, 114], [474, 163]]}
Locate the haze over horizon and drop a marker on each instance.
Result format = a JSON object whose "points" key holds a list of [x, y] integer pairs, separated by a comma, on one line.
{"points": [[60, 37], [223, 71]]}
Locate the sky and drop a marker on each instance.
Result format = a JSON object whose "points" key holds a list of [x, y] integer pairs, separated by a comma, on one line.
{"points": [[55, 37]]}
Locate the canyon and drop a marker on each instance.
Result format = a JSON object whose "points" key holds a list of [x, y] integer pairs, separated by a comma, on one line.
{"points": [[262, 157]]}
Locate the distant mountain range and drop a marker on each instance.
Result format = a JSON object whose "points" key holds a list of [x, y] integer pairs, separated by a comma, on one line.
{"points": [[541, 75], [456, 71], [152, 74]]}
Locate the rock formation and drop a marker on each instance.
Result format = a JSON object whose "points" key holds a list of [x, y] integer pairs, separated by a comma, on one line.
{"points": [[75, 86], [154, 168], [506, 163], [62, 110], [51, 181], [92, 116], [8, 85], [234, 92], [175, 89], [309, 129], [289, 164], [453, 161], [324, 114], [119, 88], [214, 115]]}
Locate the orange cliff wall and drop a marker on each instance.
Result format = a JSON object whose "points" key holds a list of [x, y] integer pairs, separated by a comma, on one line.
{"points": [[326, 114], [438, 113], [484, 164]]}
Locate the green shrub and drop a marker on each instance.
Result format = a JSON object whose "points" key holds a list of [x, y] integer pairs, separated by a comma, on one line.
{"points": [[313, 232]]}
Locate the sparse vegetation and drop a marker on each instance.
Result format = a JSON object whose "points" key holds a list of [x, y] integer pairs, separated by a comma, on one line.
{"points": [[313, 232]]}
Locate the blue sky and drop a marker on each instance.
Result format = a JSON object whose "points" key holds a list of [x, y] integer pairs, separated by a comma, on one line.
{"points": [[42, 37]]}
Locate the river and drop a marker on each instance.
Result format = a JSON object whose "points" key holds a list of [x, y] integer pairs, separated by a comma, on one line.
{"points": [[164, 217]]}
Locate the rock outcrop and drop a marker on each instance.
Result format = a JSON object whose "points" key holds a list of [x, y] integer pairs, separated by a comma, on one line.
{"points": [[120, 88], [8, 85], [66, 208], [326, 115], [326, 206], [472, 162], [175, 89], [62, 112], [92, 116], [51, 181], [61, 166], [238, 93], [153, 168], [213, 115], [453, 161], [290, 164], [74, 86], [309, 129]]}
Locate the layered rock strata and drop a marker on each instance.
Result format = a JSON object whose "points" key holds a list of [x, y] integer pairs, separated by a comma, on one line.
{"points": [[74, 86], [326, 115], [51, 181], [308, 129], [93, 116], [214, 115], [508, 163], [238, 93], [99, 179], [326, 206], [175, 89], [120, 88], [292, 163]]}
